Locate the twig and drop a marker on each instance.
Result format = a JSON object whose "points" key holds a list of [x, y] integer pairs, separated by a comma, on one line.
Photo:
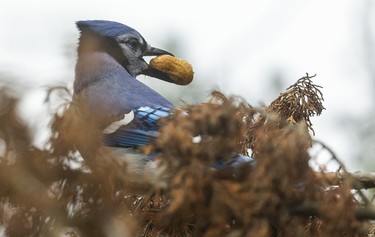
{"points": [[312, 209], [363, 180], [357, 184]]}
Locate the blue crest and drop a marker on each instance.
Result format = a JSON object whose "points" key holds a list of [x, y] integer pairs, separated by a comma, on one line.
{"points": [[104, 28]]}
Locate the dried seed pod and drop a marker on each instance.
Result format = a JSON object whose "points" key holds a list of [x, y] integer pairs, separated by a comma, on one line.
{"points": [[180, 71]]}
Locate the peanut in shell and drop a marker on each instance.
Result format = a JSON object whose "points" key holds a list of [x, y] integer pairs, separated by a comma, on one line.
{"points": [[180, 71]]}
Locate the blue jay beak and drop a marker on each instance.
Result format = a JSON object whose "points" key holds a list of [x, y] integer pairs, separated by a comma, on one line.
{"points": [[151, 51], [153, 72]]}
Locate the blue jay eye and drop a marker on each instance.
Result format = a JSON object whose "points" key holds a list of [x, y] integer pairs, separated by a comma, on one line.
{"points": [[134, 44]]}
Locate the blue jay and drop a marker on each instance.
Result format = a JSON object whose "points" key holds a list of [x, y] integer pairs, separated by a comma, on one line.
{"points": [[110, 56]]}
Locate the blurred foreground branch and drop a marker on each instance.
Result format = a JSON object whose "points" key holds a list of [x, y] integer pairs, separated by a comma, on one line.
{"points": [[67, 191]]}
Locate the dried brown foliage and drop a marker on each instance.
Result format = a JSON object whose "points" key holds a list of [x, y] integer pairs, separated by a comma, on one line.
{"points": [[42, 194]]}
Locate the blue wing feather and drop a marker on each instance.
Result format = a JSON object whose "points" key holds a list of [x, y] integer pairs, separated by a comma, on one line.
{"points": [[148, 116], [141, 131]]}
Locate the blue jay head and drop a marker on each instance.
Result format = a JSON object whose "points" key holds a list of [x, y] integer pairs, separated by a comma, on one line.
{"points": [[123, 43]]}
